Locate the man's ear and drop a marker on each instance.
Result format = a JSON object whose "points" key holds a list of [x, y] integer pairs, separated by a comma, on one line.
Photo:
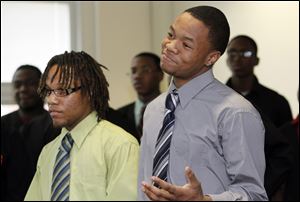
{"points": [[256, 61], [212, 58]]}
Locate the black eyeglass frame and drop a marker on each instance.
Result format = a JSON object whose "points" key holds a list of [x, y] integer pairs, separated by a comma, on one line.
{"points": [[60, 92], [244, 54]]}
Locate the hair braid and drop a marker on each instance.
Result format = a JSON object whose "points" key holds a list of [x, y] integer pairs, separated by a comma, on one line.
{"points": [[80, 66]]}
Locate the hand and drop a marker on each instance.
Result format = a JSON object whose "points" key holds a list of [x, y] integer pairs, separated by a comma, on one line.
{"points": [[192, 191]]}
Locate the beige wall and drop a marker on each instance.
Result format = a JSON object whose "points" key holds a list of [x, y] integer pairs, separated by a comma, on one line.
{"points": [[113, 32]]}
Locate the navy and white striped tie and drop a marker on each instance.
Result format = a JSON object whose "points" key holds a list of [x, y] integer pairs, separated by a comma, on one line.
{"points": [[61, 172], [162, 147]]}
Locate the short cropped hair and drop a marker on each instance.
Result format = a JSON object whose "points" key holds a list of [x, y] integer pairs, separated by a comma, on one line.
{"points": [[32, 68], [154, 57], [217, 24], [247, 38]]}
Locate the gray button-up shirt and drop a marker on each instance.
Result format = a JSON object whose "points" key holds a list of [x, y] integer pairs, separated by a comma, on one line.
{"points": [[217, 133]]}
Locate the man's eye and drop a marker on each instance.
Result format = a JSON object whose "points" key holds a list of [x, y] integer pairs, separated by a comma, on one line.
{"points": [[133, 71], [60, 91], [145, 68], [170, 35], [17, 84], [186, 46]]}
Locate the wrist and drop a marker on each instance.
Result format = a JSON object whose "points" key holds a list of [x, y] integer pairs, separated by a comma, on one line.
{"points": [[207, 198]]}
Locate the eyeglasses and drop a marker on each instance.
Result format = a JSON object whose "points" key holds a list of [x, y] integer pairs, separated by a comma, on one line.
{"points": [[245, 54], [141, 70], [60, 92]]}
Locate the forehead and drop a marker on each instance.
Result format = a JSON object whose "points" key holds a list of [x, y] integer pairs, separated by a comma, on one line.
{"points": [[190, 24], [142, 60], [25, 74], [53, 77], [240, 44], [52, 72], [185, 25]]}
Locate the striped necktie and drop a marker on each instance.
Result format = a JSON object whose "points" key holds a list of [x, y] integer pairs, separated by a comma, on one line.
{"points": [[162, 147], [61, 172]]}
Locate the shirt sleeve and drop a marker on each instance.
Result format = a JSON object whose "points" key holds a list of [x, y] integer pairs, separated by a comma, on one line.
{"points": [[141, 173], [243, 147], [122, 175], [228, 196]]}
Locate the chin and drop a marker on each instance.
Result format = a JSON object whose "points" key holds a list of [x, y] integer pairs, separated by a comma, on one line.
{"points": [[58, 124], [168, 69]]}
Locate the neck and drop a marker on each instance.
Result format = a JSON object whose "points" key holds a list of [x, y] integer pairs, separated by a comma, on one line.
{"points": [[149, 97], [242, 84], [28, 114], [180, 81]]}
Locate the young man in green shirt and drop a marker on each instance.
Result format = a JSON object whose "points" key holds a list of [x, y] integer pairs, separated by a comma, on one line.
{"points": [[91, 159]]}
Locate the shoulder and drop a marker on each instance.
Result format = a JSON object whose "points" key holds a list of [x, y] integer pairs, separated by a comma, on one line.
{"points": [[227, 96], [110, 133], [10, 116], [225, 101], [50, 149], [10, 122], [271, 93], [126, 107], [157, 102]]}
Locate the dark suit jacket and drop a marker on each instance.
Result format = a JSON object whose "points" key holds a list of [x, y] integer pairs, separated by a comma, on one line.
{"points": [[21, 144], [127, 112], [116, 118], [291, 192], [278, 153]]}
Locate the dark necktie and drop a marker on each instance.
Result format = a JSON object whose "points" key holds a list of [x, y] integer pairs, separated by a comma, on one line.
{"points": [[162, 147], [61, 173]]}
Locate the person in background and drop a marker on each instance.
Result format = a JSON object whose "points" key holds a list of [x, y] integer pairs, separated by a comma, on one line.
{"points": [[146, 75], [274, 109], [92, 159], [115, 117], [201, 139], [23, 134], [291, 187], [241, 59]]}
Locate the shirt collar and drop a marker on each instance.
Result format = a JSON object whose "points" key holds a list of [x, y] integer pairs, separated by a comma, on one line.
{"points": [[137, 109], [82, 129], [193, 87], [139, 103]]}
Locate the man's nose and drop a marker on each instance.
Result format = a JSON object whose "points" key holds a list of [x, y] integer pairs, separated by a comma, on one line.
{"points": [[172, 46], [51, 99]]}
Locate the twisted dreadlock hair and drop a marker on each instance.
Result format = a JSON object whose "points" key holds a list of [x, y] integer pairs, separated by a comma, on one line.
{"points": [[79, 66]]}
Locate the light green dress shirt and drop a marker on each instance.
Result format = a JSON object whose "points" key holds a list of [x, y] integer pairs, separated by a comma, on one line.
{"points": [[104, 163]]}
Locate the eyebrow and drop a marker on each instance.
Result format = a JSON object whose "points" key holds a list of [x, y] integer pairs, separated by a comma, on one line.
{"points": [[184, 37], [58, 87]]}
